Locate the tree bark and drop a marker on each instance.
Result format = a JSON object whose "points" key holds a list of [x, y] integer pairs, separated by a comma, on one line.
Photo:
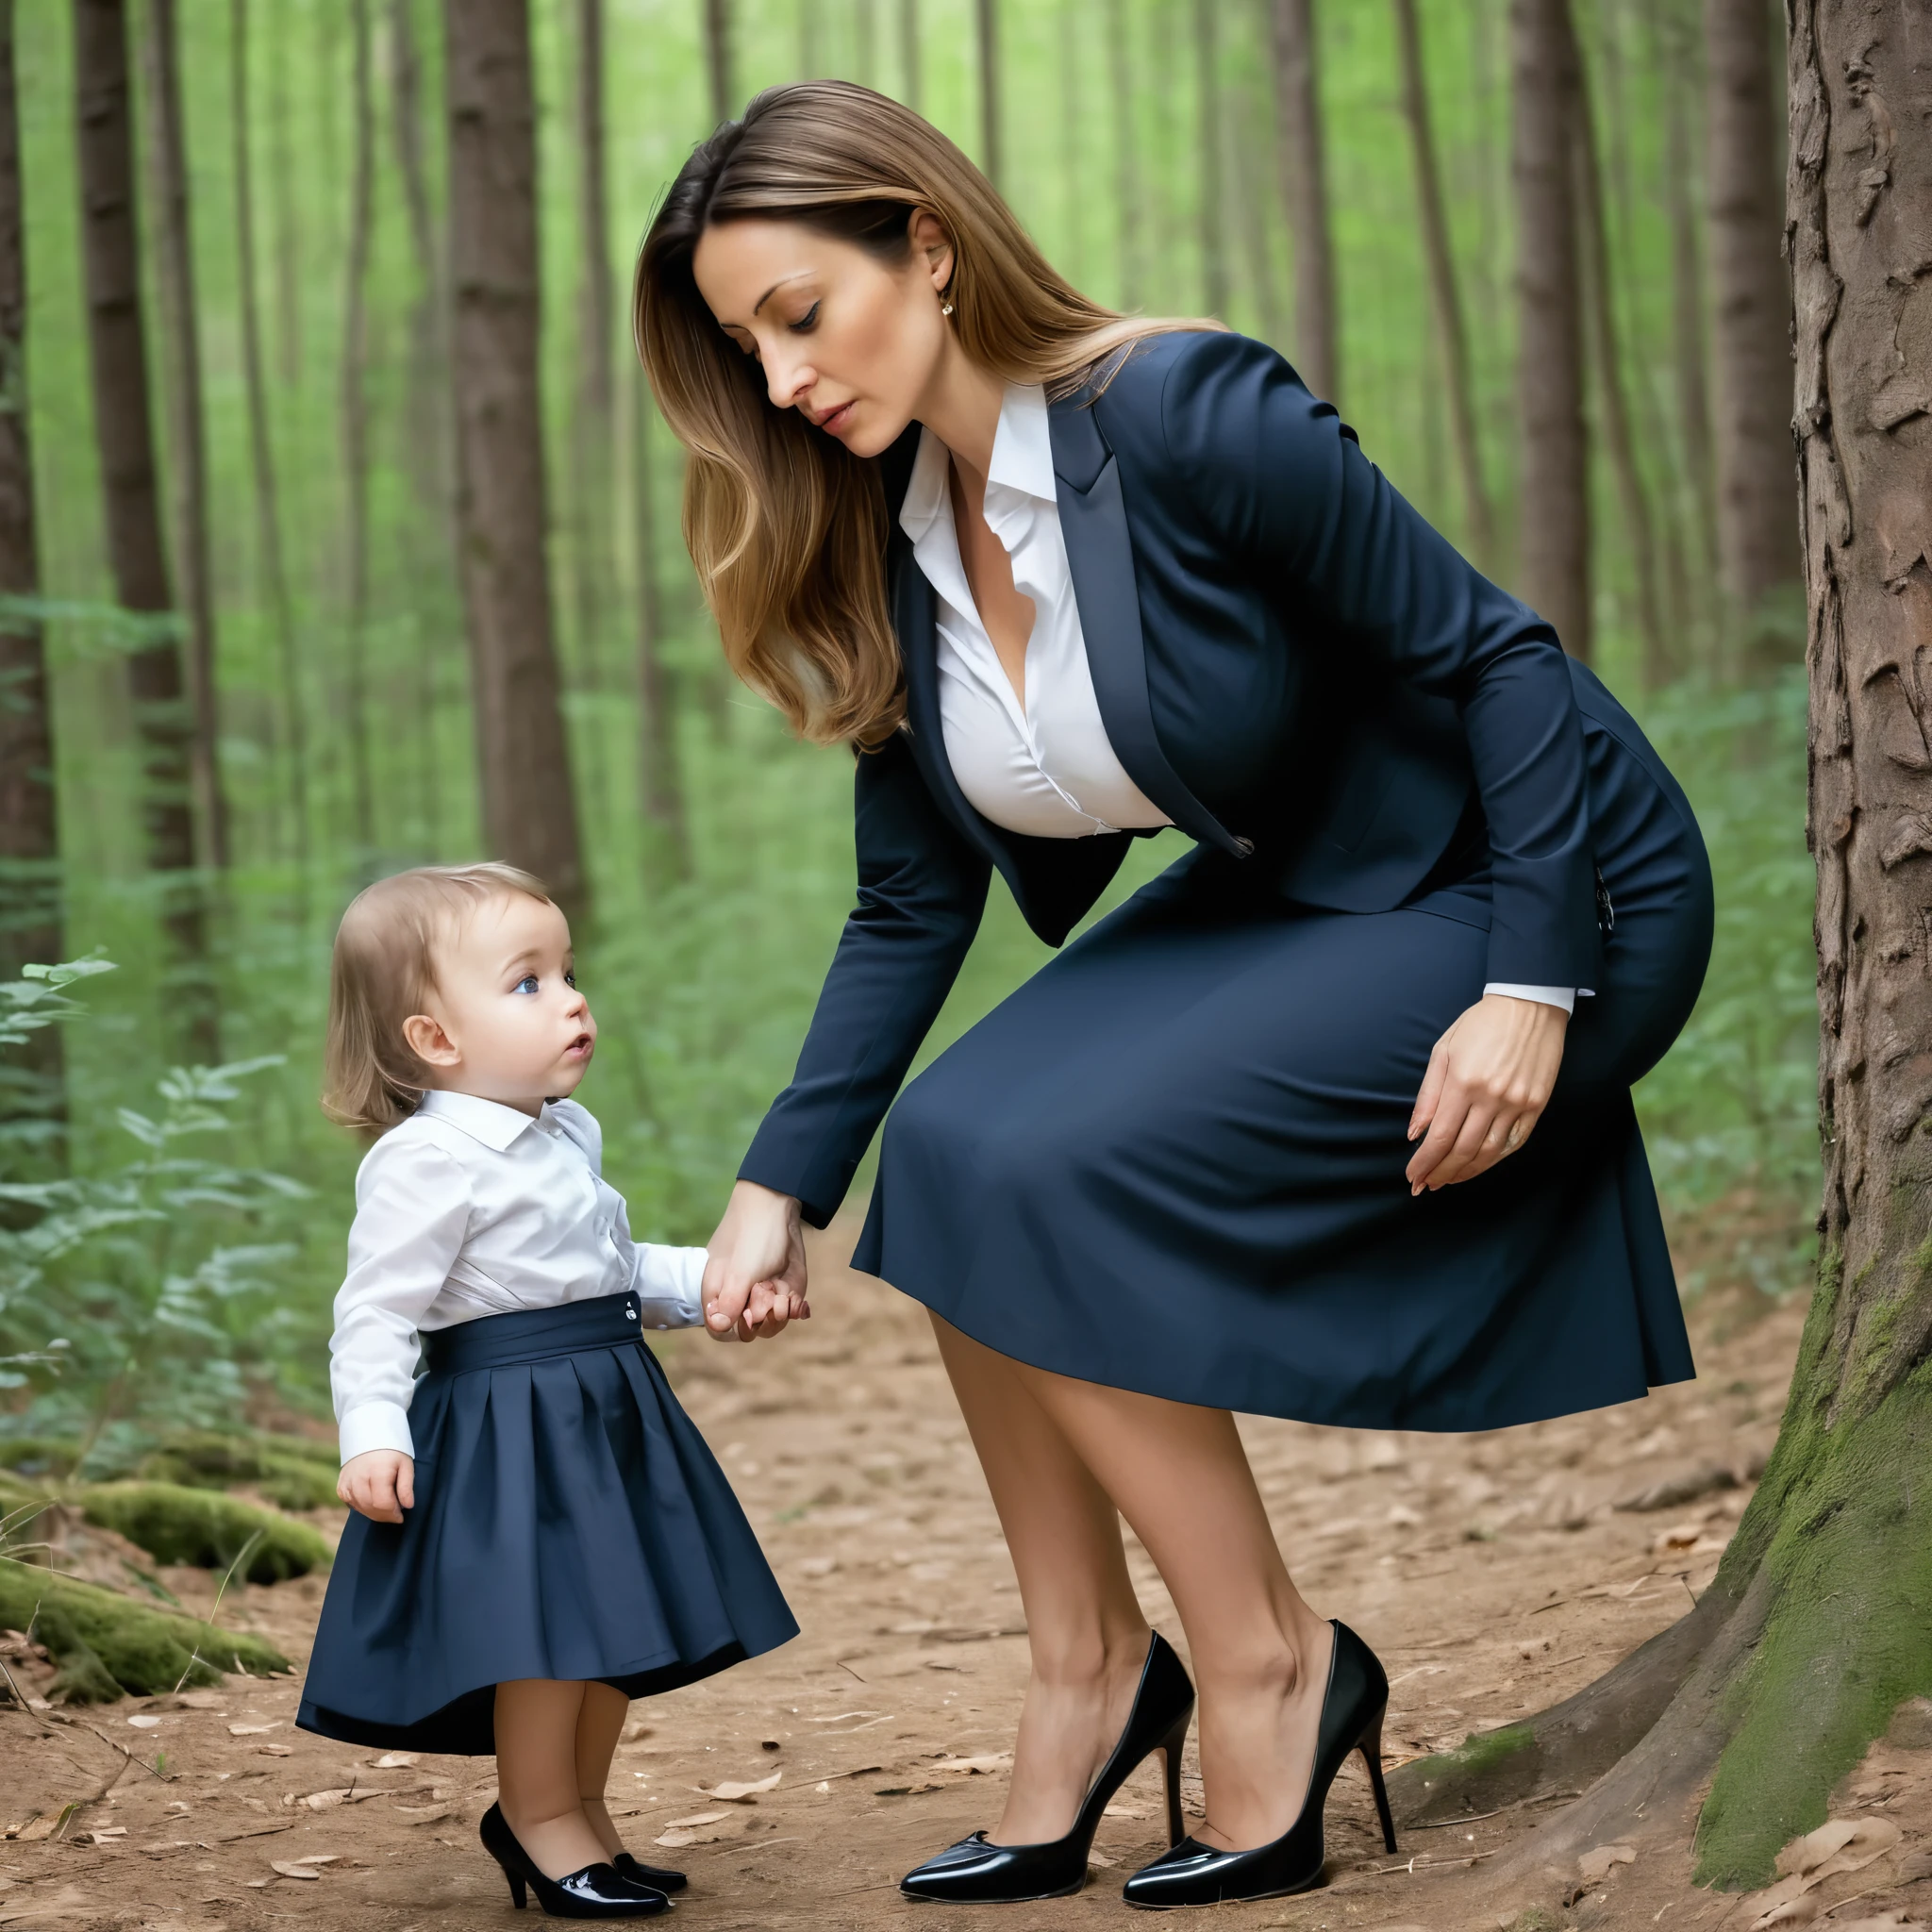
{"points": [[1552, 568], [30, 894], [187, 431], [1819, 1622], [596, 400], [1209, 131], [288, 232], [1613, 411], [1445, 297], [718, 61], [353, 402], [987, 39], [268, 514], [123, 439], [660, 791], [1304, 193], [908, 53], [1758, 532], [529, 809]]}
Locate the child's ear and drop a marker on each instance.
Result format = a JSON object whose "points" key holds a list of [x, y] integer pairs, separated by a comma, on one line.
{"points": [[426, 1038]]}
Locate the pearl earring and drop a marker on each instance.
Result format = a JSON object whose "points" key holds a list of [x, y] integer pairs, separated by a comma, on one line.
{"points": [[945, 308]]}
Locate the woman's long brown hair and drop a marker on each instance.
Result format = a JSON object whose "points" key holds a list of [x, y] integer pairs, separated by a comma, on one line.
{"points": [[786, 526]]}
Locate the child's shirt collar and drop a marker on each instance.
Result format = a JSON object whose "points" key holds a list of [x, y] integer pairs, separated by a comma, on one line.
{"points": [[488, 1121]]}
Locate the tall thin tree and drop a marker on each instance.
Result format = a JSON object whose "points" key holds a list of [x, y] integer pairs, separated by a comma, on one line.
{"points": [[1129, 217], [1758, 532], [660, 788], [354, 404], [123, 439], [985, 25], [30, 894], [1553, 566], [267, 515], [595, 402], [865, 43], [1304, 193], [1445, 295], [530, 808], [187, 429], [1210, 129], [720, 61], [909, 54], [1606, 346], [286, 210]]}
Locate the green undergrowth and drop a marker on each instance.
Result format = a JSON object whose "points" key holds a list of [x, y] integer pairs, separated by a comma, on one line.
{"points": [[292, 1472], [106, 1646], [1842, 1522], [177, 1525]]}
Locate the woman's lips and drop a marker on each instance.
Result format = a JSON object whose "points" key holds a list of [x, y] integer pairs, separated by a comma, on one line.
{"points": [[836, 421]]}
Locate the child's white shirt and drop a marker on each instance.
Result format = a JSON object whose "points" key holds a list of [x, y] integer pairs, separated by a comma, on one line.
{"points": [[470, 1209]]}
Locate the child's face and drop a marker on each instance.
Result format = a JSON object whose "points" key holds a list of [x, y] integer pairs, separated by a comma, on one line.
{"points": [[505, 1022]]}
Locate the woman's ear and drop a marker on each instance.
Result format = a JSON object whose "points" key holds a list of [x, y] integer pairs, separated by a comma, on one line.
{"points": [[426, 1038], [935, 246]]}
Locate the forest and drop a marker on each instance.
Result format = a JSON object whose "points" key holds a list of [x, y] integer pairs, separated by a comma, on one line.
{"points": [[339, 533]]}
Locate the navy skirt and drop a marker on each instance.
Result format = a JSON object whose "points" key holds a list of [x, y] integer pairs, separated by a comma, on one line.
{"points": [[570, 1522], [1172, 1160]]}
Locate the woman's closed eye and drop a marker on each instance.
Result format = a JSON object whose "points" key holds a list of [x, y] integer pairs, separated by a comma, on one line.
{"points": [[806, 323]]}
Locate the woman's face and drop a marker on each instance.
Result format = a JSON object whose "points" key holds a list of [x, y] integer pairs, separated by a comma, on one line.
{"points": [[854, 344]]}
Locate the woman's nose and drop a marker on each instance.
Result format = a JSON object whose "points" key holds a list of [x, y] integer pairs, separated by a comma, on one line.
{"points": [[789, 384]]}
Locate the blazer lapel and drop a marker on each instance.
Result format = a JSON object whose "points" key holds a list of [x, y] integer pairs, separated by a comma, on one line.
{"points": [[1093, 520]]}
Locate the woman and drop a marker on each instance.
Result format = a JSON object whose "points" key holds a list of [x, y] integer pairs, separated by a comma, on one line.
{"points": [[1064, 579]]}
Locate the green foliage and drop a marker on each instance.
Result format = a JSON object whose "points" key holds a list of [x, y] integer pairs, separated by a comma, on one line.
{"points": [[176, 1524], [289, 1470], [107, 1645]]}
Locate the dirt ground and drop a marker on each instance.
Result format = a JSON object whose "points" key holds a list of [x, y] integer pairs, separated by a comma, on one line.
{"points": [[1494, 1574]]}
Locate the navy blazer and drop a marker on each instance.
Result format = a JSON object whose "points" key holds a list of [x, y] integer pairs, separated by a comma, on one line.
{"points": [[1290, 663]]}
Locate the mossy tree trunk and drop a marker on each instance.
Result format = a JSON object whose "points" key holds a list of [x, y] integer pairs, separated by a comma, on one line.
{"points": [[1820, 1620]]}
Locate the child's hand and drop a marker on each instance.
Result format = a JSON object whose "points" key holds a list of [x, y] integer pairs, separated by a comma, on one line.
{"points": [[379, 1484], [754, 1275]]}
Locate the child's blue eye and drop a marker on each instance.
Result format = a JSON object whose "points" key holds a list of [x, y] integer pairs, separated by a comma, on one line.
{"points": [[570, 979], [526, 984]]}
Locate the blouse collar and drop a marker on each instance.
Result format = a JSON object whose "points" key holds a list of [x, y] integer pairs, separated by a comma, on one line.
{"points": [[488, 1121], [1022, 460]]}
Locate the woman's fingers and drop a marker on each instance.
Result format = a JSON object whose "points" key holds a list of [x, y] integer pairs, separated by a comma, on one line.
{"points": [[1430, 1095], [1462, 1120]]}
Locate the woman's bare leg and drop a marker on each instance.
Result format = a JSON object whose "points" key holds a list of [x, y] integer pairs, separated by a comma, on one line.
{"points": [[600, 1723], [1180, 1477], [1084, 1623], [537, 1773]]}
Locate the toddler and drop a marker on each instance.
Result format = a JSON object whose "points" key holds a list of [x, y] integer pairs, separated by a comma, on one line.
{"points": [[541, 1532]]}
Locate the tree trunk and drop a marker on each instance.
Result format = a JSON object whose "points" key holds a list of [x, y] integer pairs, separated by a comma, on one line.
{"points": [[1757, 530], [530, 810], [660, 792], [30, 909], [718, 61], [355, 431], [124, 443], [186, 434], [1304, 193], [267, 515], [1819, 1622], [288, 235], [1553, 566], [986, 38], [908, 52], [1128, 212], [1209, 132], [1445, 298], [1606, 351]]}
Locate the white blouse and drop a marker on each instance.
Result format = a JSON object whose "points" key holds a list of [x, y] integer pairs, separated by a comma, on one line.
{"points": [[470, 1209], [1043, 766]]}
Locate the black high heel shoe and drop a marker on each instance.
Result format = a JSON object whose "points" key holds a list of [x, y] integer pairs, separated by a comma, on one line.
{"points": [[660, 1877], [1352, 1710], [977, 1872], [594, 1892]]}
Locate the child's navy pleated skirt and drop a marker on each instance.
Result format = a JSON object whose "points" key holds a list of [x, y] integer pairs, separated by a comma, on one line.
{"points": [[570, 1522]]}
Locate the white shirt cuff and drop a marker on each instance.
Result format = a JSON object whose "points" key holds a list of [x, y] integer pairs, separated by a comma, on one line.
{"points": [[668, 1284], [376, 1425], [1564, 996]]}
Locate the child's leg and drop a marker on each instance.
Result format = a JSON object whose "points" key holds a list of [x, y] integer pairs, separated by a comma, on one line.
{"points": [[600, 1723], [537, 1772]]}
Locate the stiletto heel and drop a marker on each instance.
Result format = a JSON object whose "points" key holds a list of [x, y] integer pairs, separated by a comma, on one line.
{"points": [[1352, 1710], [595, 1891], [1170, 1748], [1370, 1748], [977, 1872]]}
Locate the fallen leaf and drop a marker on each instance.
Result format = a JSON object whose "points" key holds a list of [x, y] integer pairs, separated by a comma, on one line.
{"points": [[1891, 1922], [1595, 1864], [275, 1750], [696, 1819], [323, 1801], [203, 1700], [254, 1730], [971, 1767], [1099, 1863], [144, 1723], [740, 1791], [106, 1836], [1844, 1844], [316, 1859], [823, 1788], [289, 1868], [393, 1760]]}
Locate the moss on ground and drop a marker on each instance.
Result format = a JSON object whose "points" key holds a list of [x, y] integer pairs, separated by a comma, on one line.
{"points": [[177, 1525], [106, 1645], [288, 1470]]}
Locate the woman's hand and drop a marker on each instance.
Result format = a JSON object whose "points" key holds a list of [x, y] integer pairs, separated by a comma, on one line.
{"points": [[1488, 1080], [379, 1484], [755, 1278]]}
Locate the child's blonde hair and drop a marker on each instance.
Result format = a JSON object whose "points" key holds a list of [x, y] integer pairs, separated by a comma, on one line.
{"points": [[383, 968]]}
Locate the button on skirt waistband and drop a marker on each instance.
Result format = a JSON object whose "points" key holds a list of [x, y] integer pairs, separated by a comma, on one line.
{"points": [[529, 1335]]}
